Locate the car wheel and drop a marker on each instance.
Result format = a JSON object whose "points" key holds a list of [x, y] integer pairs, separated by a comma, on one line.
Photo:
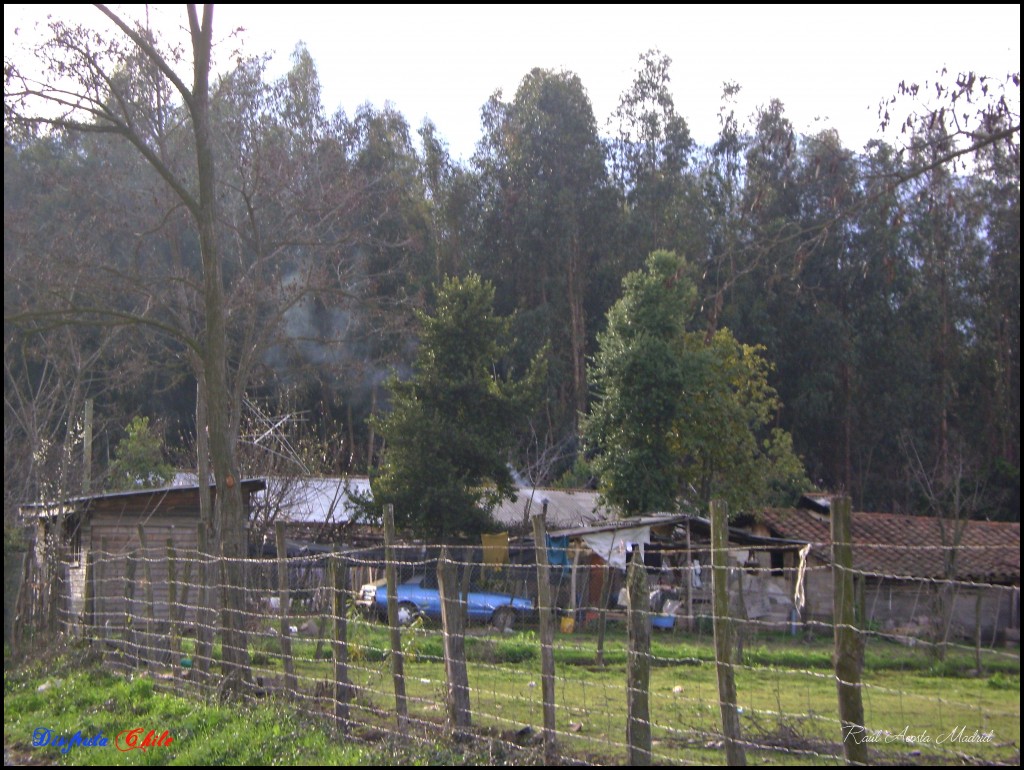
{"points": [[504, 618], [407, 613]]}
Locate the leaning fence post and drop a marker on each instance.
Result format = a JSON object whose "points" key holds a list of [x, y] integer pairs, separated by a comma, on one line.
{"points": [[184, 587], [547, 633], [290, 685], [454, 630], [848, 657], [337, 577], [724, 634], [638, 676], [397, 656]]}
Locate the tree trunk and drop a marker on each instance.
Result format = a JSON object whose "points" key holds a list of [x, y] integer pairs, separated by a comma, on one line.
{"points": [[577, 332], [229, 512]]}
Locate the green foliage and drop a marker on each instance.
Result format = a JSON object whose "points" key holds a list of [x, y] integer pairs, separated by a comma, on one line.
{"points": [[580, 476], [451, 425], [725, 410], [680, 415], [1003, 682], [138, 459], [639, 377]]}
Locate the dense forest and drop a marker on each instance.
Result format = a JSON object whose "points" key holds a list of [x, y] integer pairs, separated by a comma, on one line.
{"points": [[879, 287]]}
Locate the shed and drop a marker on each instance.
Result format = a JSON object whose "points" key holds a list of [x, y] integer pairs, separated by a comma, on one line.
{"points": [[677, 554], [904, 562], [107, 525]]}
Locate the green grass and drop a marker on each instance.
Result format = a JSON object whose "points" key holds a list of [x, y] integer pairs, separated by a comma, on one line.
{"points": [[87, 699], [70, 692], [786, 692]]}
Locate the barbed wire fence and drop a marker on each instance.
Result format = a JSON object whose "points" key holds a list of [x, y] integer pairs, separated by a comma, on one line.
{"points": [[859, 667]]}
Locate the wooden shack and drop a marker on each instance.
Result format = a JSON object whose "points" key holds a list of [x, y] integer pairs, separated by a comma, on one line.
{"points": [[104, 530], [906, 567], [676, 551]]}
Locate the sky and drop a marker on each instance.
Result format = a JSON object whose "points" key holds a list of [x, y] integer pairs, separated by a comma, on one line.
{"points": [[830, 65]]}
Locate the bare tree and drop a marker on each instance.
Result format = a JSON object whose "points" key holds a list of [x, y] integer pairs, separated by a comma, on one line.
{"points": [[949, 492], [250, 170], [127, 85], [968, 112]]}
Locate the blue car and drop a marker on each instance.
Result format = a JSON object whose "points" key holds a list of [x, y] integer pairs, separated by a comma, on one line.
{"points": [[418, 596]]}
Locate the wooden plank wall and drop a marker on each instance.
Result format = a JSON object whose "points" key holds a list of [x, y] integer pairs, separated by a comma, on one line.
{"points": [[119, 535]]}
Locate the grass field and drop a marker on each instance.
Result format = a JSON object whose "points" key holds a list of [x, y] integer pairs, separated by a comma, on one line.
{"points": [[918, 710], [786, 692]]}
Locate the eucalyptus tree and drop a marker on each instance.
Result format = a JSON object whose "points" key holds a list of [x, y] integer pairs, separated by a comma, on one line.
{"points": [[992, 387], [651, 154], [452, 196], [546, 211]]}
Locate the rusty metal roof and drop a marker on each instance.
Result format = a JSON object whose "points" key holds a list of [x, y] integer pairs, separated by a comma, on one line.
{"points": [[899, 545]]}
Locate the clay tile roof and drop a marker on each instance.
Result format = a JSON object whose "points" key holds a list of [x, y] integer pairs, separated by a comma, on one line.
{"points": [[912, 546]]}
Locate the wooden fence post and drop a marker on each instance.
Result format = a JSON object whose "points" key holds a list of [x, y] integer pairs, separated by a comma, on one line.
{"points": [[227, 655], [205, 611], [290, 684], [173, 610], [638, 671], [454, 630], [547, 633], [89, 625], [337, 571], [147, 571], [397, 656], [724, 634], [101, 595], [848, 656], [27, 608], [691, 623], [465, 582], [573, 588], [130, 642], [60, 597], [602, 610], [978, 670]]}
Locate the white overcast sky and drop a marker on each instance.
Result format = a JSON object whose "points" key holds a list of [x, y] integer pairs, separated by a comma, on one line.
{"points": [[830, 64]]}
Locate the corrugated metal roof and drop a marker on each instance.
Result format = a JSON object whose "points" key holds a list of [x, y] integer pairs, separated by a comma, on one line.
{"points": [[81, 502], [654, 520], [566, 508], [316, 500]]}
